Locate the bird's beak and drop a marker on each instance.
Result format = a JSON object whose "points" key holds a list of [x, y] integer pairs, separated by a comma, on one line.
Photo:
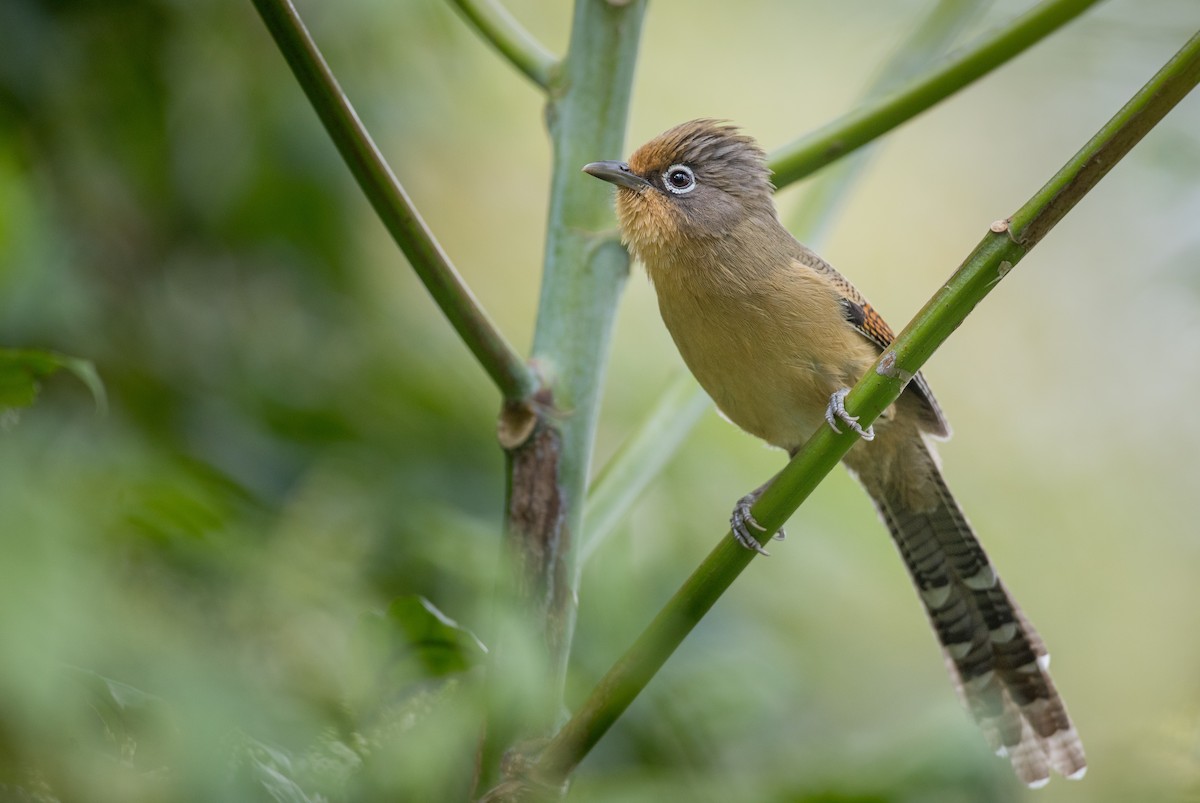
{"points": [[617, 173]]}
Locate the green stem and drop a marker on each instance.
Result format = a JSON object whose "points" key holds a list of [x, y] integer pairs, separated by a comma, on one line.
{"points": [[507, 369], [584, 272], [640, 459], [1001, 248], [517, 45], [813, 151], [824, 197]]}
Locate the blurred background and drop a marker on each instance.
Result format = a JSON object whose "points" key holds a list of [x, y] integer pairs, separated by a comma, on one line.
{"points": [[189, 583]]}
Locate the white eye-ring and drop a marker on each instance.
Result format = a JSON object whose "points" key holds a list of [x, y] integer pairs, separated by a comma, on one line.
{"points": [[679, 179]]}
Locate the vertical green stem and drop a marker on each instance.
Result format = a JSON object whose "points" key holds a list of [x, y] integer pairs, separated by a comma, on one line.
{"points": [[583, 275]]}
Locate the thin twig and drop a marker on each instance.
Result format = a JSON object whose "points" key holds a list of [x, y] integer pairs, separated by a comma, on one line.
{"points": [[503, 364], [811, 152], [929, 41], [1001, 248], [640, 459], [493, 22]]}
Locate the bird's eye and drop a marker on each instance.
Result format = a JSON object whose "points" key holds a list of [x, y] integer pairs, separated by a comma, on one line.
{"points": [[679, 179]]}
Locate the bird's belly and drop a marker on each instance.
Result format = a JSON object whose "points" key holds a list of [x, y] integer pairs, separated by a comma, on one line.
{"points": [[757, 374]]}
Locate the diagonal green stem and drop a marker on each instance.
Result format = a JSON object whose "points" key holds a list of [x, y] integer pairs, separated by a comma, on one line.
{"points": [[517, 45], [823, 198], [640, 459], [813, 151], [503, 364], [1001, 248]]}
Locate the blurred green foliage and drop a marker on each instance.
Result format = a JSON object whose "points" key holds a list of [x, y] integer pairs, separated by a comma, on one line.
{"points": [[185, 579], [21, 372], [214, 591]]}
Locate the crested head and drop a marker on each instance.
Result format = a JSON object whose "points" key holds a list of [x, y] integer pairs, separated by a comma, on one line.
{"points": [[720, 155], [688, 186]]}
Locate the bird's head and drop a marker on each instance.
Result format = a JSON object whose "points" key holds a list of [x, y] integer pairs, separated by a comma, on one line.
{"points": [[694, 182]]}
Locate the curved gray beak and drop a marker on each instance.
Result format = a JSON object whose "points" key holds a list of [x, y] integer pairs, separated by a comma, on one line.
{"points": [[616, 173]]}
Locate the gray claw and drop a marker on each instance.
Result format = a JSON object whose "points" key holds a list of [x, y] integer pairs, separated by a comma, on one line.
{"points": [[742, 520], [836, 411]]}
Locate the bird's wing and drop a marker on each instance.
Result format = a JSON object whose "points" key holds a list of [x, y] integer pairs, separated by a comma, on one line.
{"points": [[871, 325]]}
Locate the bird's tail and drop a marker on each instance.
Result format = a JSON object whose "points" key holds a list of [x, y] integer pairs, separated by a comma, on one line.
{"points": [[998, 663]]}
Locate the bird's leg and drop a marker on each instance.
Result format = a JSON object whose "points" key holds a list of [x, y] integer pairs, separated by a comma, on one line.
{"points": [[837, 412], [742, 520]]}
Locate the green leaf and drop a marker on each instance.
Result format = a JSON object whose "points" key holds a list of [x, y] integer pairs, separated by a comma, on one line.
{"points": [[277, 784], [271, 769], [441, 645], [22, 369], [410, 643], [131, 726], [122, 707]]}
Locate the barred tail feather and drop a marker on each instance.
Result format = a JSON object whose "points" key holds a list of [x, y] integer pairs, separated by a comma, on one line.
{"points": [[995, 657]]}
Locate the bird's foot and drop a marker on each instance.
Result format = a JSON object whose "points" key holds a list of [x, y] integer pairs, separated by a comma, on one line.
{"points": [[837, 412], [742, 520]]}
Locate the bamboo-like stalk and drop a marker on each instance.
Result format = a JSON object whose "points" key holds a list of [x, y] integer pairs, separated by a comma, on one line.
{"points": [[814, 150], [584, 272], [1001, 248], [503, 364], [929, 41]]}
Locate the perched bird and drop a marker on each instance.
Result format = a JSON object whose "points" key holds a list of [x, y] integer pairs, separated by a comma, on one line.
{"points": [[776, 337]]}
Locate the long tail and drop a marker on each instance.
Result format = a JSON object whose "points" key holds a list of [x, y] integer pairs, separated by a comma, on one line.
{"points": [[998, 663]]}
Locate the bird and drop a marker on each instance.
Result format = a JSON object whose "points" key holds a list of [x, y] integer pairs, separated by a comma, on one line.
{"points": [[776, 336]]}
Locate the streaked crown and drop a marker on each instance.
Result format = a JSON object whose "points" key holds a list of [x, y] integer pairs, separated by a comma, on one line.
{"points": [[689, 185]]}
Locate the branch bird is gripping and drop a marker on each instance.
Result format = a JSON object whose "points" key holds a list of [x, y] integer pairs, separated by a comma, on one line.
{"points": [[775, 336]]}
